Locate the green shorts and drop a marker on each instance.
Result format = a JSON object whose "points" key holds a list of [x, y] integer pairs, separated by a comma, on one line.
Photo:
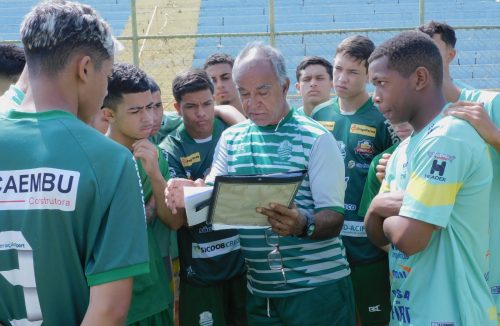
{"points": [[221, 304], [327, 305], [372, 291]]}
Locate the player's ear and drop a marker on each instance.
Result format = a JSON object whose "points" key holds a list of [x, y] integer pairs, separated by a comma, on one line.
{"points": [[83, 66], [177, 107], [108, 114], [421, 78]]}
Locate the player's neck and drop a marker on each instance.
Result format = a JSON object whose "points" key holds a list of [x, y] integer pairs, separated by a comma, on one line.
{"points": [[196, 134], [428, 109], [120, 137], [450, 90], [352, 104], [47, 94]]}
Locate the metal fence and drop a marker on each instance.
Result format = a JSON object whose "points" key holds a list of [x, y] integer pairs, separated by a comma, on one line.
{"points": [[163, 37]]}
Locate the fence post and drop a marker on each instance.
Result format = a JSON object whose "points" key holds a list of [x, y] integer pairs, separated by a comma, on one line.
{"points": [[421, 10], [272, 39], [135, 39]]}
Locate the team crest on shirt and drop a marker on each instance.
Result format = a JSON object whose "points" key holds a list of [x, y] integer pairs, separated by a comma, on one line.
{"points": [[342, 149], [365, 148], [285, 150]]}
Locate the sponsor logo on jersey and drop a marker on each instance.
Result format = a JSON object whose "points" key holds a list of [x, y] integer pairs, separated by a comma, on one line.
{"points": [[442, 323], [353, 229], [329, 125], [374, 308], [350, 207], [401, 313], [363, 130], [437, 171], [40, 188], [191, 159], [364, 166], [215, 248], [285, 150], [398, 274], [392, 133], [365, 148], [342, 149], [441, 156], [495, 290]]}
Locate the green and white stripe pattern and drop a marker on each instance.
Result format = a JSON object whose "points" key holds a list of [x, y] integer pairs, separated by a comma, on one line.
{"points": [[291, 145]]}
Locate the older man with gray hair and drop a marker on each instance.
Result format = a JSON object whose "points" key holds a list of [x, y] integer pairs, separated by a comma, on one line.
{"points": [[312, 285]]}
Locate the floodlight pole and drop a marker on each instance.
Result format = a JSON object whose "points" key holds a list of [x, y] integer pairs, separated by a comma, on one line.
{"points": [[421, 11], [272, 39], [135, 39]]}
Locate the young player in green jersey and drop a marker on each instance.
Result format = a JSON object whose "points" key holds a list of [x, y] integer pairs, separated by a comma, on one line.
{"points": [[361, 133], [128, 107], [312, 284], [212, 287], [435, 217], [68, 194], [219, 67]]}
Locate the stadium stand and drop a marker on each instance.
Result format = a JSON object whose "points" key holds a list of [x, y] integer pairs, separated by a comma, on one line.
{"points": [[116, 13], [477, 63]]}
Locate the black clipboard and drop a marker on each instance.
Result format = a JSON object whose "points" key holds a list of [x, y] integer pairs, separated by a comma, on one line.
{"points": [[232, 193]]}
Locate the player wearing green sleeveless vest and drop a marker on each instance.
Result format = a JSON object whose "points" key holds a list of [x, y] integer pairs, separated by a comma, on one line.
{"points": [[212, 287], [361, 133], [128, 108], [312, 285], [72, 230], [435, 216]]}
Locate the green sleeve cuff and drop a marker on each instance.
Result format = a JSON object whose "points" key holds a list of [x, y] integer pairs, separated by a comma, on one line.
{"points": [[118, 274], [334, 208]]}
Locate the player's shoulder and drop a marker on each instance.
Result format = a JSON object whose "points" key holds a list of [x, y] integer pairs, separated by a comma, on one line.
{"points": [[307, 125]]}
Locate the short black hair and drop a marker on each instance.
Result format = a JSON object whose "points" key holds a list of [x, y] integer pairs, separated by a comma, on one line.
{"points": [[189, 81], [314, 60], [125, 79], [153, 86], [409, 50], [358, 47], [53, 31], [219, 58], [12, 60], [446, 31]]}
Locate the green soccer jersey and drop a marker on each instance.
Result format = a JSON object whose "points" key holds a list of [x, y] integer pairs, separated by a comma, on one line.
{"points": [[445, 172], [71, 217], [372, 184], [151, 293], [206, 257], [491, 102], [360, 136], [296, 143], [170, 122]]}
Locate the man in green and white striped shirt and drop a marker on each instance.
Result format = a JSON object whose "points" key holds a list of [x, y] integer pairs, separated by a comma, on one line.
{"points": [[312, 285]]}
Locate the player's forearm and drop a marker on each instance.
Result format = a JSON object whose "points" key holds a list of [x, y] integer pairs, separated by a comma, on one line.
{"points": [[328, 224], [109, 303], [408, 235], [495, 140], [374, 228], [173, 221]]}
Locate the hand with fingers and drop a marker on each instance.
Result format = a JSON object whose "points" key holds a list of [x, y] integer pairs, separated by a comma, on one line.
{"points": [[174, 192], [476, 115], [146, 151], [381, 165], [284, 221]]}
